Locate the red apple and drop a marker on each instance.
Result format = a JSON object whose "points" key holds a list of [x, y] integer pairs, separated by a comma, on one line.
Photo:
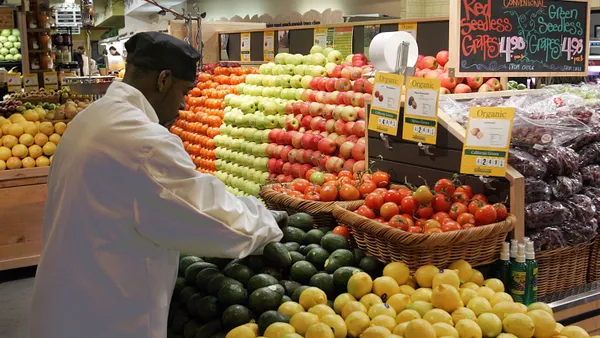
{"points": [[359, 128], [285, 152], [346, 149], [348, 128], [286, 168], [432, 75], [315, 109], [494, 83], [323, 160], [359, 166], [314, 83], [321, 97], [428, 62], [291, 124], [334, 164], [340, 126], [358, 151], [485, 88], [356, 73], [445, 90], [322, 85], [361, 112], [289, 106], [343, 85], [447, 81], [337, 71], [348, 97], [359, 85], [288, 135], [306, 140], [346, 72], [308, 154], [462, 88], [315, 158], [442, 57], [475, 82], [349, 165], [330, 84], [306, 121], [314, 122], [330, 126], [314, 142], [357, 100], [297, 140], [327, 146]]}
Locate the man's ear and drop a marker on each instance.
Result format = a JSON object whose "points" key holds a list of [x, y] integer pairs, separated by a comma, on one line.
{"points": [[165, 81]]}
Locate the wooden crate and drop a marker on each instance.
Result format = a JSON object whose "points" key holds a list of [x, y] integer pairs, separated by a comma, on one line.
{"points": [[22, 199]]}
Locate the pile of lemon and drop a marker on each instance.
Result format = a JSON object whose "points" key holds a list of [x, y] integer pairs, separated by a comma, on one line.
{"points": [[453, 303]]}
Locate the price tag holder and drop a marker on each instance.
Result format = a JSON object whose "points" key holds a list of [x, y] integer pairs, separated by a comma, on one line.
{"points": [[485, 150], [409, 27], [50, 81], [420, 110], [385, 108], [30, 82], [13, 81], [245, 47], [269, 46]]}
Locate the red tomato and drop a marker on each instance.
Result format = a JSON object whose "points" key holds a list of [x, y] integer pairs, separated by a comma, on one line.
{"points": [[441, 202], [405, 192], [466, 189], [393, 196], [456, 209], [345, 180], [330, 177], [446, 220], [329, 193], [474, 205], [409, 216], [501, 211], [311, 188], [345, 173], [381, 178], [450, 226], [309, 172], [366, 188], [433, 231], [312, 196], [300, 185], [349, 192], [380, 220], [460, 196], [444, 186], [401, 222], [388, 210], [425, 211], [468, 226], [485, 215], [480, 197], [415, 229], [381, 191], [374, 201], [420, 222], [296, 194], [409, 205], [440, 216], [431, 223], [466, 218], [364, 211], [342, 230], [334, 184]]}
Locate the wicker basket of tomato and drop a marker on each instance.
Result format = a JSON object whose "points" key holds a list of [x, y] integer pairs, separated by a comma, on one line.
{"points": [[423, 226]]}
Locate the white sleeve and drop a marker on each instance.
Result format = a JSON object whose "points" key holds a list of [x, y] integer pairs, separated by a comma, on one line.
{"points": [[186, 210]]}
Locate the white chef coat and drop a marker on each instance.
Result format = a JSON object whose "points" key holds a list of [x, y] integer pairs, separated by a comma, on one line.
{"points": [[123, 199]]}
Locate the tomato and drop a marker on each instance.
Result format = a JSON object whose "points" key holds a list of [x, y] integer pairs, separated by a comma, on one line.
{"points": [[409, 217], [409, 205], [433, 231], [401, 222], [456, 209], [364, 211], [425, 211], [431, 223], [393, 196], [309, 172], [446, 220], [423, 195], [421, 222], [345, 180], [388, 210], [501, 211], [485, 215], [450, 226], [374, 201], [460, 196], [349, 192], [381, 178], [366, 188], [480, 197], [466, 218], [415, 229], [466, 189], [329, 193], [312, 196], [444, 187], [380, 220], [296, 194], [440, 216], [300, 185], [345, 173], [342, 230], [312, 188], [468, 226], [441, 202], [475, 205], [405, 192], [380, 191], [330, 177]]}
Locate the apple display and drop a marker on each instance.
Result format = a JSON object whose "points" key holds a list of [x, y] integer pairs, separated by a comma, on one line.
{"points": [[335, 57]]}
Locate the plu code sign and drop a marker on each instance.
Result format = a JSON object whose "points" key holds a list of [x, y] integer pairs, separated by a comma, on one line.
{"points": [[385, 108], [420, 110]]}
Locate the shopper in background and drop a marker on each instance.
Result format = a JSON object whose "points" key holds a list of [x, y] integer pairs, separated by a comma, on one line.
{"points": [[101, 60], [113, 51], [78, 57], [124, 198]]}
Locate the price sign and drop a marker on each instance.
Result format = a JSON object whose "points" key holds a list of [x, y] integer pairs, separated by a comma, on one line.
{"points": [[420, 110], [7, 18], [30, 82], [519, 38], [269, 46], [50, 81], [409, 27], [385, 108], [13, 81], [320, 37], [245, 47], [485, 150]]}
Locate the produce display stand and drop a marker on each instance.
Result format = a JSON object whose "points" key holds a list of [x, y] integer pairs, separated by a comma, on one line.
{"points": [[22, 199]]}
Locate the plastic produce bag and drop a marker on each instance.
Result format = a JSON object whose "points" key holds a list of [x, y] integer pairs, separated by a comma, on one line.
{"points": [[545, 213], [536, 190], [560, 161], [549, 107], [535, 132], [589, 154], [566, 186], [591, 175], [458, 111], [581, 207], [487, 102], [594, 194], [547, 239], [579, 232], [584, 139], [527, 164]]}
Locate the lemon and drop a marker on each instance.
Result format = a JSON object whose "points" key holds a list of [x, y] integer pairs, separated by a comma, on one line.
{"points": [[399, 302], [505, 308], [312, 296], [485, 292], [438, 316], [465, 271], [494, 284], [337, 324], [2, 165], [381, 309], [446, 297], [376, 332], [243, 331], [419, 328], [370, 299], [447, 276], [463, 313], [467, 294], [421, 307], [385, 287], [356, 323], [468, 328], [341, 301], [398, 271], [544, 323], [519, 324], [573, 331], [445, 330], [500, 297], [301, 321], [290, 308], [291, 335], [321, 310], [359, 284], [384, 321], [422, 294], [407, 315], [400, 329], [479, 305], [407, 289], [353, 307], [490, 325], [540, 306], [506, 335], [5, 153], [470, 285], [559, 328], [412, 282], [477, 277], [424, 275], [319, 330], [276, 330]]}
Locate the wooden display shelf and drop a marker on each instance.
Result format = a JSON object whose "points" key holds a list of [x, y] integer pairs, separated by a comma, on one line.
{"points": [[22, 200]]}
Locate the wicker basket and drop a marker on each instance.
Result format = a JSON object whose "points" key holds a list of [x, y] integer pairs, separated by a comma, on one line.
{"points": [[563, 268], [594, 268], [478, 246], [320, 211]]}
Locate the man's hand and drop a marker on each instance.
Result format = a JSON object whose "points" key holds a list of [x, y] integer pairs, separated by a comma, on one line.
{"points": [[281, 217]]}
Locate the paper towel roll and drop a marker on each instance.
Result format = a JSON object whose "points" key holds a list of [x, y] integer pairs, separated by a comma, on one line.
{"points": [[383, 50]]}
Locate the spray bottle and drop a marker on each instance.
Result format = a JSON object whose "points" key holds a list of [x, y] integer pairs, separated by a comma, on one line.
{"points": [[532, 273], [518, 271], [504, 264], [513, 250]]}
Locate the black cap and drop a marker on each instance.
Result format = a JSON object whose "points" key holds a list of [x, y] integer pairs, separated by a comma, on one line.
{"points": [[159, 51]]}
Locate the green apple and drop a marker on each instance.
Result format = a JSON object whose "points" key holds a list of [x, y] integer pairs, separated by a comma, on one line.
{"points": [[293, 59], [265, 137], [270, 108], [289, 69], [335, 57], [278, 69], [348, 58], [327, 50], [299, 70], [308, 59], [299, 92], [271, 121], [280, 58], [316, 49], [277, 92], [260, 122], [318, 71], [295, 81], [319, 59]]}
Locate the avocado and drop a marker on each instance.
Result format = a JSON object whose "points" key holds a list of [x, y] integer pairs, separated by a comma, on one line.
{"points": [[186, 261], [194, 302], [192, 271], [292, 234], [189, 330], [301, 220], [220, 262], [209, 329], [260, 281], [317, 257], [372, 266], [209, 308], [203, 277], [217, 282], [292, 246], [339, 258], [313, 237], [290, 286], [323, 281], [179, 285], [332, 242], [269, 270], [341, 277], [284, 299], [180, 318], [270, 317], [186, 293], [231, 294], [309, 247], [266, 298], [296, 257], [358, 255], [296, 295], [236, 315], [325, 230], [222, 334], [255, 263], [302, 272], [278, 255], [239, 272]]}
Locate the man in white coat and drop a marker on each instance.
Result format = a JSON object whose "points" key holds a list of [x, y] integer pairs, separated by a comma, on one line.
{"points": [[124, 198]]}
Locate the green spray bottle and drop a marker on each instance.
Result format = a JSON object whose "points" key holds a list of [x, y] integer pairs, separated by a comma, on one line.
{"points": [[518, 273], [514, 247], [504, 264], [532, 274]]}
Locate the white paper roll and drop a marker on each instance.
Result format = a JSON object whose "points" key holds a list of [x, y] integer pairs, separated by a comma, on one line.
{"points": [[383, 50]]}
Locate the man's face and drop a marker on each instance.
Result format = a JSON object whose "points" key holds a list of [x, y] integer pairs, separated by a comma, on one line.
{"points": [[172, 91], [113, 51], [80, 50]]}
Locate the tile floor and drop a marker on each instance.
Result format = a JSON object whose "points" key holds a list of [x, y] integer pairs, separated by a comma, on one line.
{"points": [[16, 287]]}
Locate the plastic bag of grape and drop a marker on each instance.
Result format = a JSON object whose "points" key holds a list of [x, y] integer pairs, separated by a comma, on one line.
{"points": [[583, 139], [589, 154], [591, 175], [536, 190], [566, 186], [582, 207], [528, 132], [579, 232], [544, 213], [560, 161], [527, 164], [549, 238]]}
